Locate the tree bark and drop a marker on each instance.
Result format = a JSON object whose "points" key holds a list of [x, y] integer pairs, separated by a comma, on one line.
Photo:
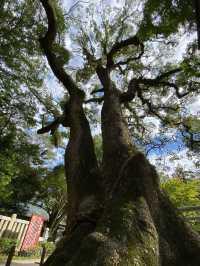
{"points": [[82, 172], [117, 147]]}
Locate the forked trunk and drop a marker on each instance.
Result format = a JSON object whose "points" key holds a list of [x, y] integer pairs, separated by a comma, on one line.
{"points": [[138, 226]]}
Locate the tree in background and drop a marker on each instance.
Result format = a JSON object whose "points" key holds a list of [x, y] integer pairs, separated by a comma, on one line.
{"points": [[54, 199], [21, 77], [21, 170], [185, 193], [117, 213]]}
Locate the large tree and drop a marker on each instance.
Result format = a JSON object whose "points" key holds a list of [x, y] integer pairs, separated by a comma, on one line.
{"points": [[117, 213]]}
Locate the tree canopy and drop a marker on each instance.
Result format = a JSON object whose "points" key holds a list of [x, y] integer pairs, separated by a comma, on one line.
{"points": [[156, 70]]}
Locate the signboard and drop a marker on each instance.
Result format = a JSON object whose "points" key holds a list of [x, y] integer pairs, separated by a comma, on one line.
{"points": [[33, 232]]}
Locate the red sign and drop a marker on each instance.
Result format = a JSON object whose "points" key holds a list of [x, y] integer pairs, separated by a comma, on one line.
{"points": [[33, 232]]}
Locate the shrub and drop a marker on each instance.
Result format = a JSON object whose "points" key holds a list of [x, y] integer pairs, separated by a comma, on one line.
{"points": [[50, 246], [37, 250], [33, 252], [6, 244]]}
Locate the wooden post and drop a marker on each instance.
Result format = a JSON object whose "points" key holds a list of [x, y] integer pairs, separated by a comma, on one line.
{"points": [[43, 254], [9, 230], [10, 256], [4, 226]]}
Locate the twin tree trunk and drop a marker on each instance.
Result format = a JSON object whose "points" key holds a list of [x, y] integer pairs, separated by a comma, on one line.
{"points": [[117, 213]]}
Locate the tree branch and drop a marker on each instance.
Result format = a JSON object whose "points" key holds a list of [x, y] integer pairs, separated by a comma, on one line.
{"points": [[173, 85], [120, 63], [50, 108], [94, 100], [73, 7], [53, 126], [120, 45], [50, 127], [97, 90], [130, 94], [134, 88], [90, 57], [104, 77], [169, 73], [150, 106], [46, 44], [133, 85]]}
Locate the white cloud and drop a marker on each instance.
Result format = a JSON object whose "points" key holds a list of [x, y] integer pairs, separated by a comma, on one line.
{"points": [[153, 125], [194, 107], [169, 162], [54, 88]]}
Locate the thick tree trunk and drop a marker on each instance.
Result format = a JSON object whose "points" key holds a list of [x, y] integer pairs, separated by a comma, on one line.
{"points": [[82, 172], [85, 197], [117, 147], [138, 226]]}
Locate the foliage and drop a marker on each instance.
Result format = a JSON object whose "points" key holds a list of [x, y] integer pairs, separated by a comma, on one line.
{"points": [[98, 148], [156, 24], [191, 133], [166, 16], [6, 244], [21, 66], [36, 251], [22, 162], [183, 193], [50, 246], [21, 73]]}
